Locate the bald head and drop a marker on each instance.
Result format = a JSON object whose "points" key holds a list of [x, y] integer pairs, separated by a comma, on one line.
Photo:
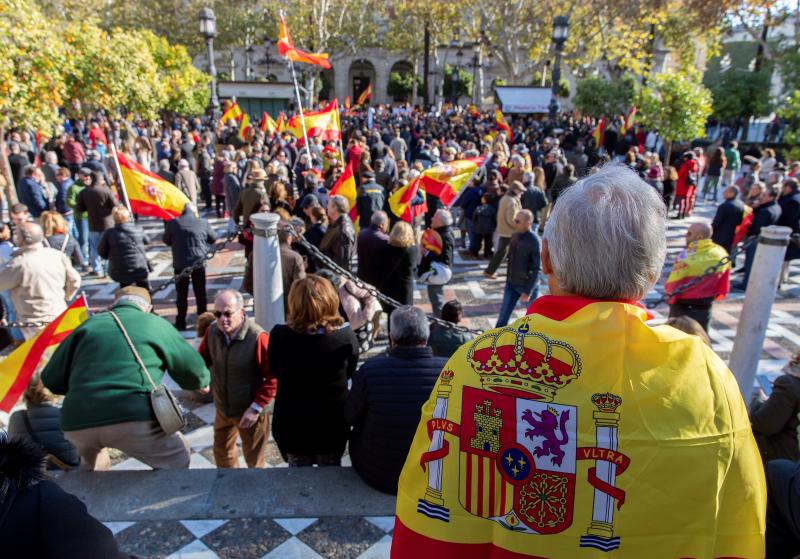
{"points": [[28, 234], [731, 193], [698, 231]]}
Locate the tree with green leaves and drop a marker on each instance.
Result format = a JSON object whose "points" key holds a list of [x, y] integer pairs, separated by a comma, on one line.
{"points": [[741, 93], [464, 83], [676, 105], [597, 96], [791, 112]]}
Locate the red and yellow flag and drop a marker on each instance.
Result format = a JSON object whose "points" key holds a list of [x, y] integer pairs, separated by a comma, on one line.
{"points": [[741, 230], [281, 124], [286, 48], [244, 128], [700, 256], [149, 194], [267, 124], [627, 124], [446, 181], [347, 102], [501, 123], [322, 124], [400, 202], [232, 112], [532, 445], [365, 95], [17, 369], [346, 186], [473, 110], [599, 131]]}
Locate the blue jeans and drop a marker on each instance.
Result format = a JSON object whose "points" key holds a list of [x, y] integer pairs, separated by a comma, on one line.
{"points": [[749, 256], [511, 295], [79, 229], [94, 258], [11, 314]]}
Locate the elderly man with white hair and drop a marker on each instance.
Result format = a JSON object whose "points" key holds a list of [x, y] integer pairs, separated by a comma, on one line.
{"points": [[186, 180], [41, 279], [580, 428], [340, 238]]}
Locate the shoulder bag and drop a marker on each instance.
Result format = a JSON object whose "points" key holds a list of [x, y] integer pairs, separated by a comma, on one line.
{"points": [[165, 406]]}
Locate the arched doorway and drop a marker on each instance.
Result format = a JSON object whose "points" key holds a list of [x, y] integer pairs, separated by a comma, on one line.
{"points": [[362, 74], [401, 81]]}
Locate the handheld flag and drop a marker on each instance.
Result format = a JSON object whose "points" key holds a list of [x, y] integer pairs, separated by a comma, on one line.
{"points": [[244, 128], [281, 124], [267, 124], [148, 193], [628, 122], [347, 102], [400, 202], [322, 124], [740, 233], [286, 48], [599, 131], [447, 180], [346, 186], [501, 123], [17, 369], [473, 111], [701, 255], [365, 95], [233, 112]]}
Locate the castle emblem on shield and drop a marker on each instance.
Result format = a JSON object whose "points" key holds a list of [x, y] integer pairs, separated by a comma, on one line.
{"points": [[517, 446]]}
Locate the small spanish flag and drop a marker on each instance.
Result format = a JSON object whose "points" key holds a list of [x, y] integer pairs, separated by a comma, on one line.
{"points": [[17, 369], [244, 128], [322, 124], [286, 48], [400, 202], [473, 111], [346, 186], [365, 95], [347, 102], [447, 180], [599, 131], [740, 233], [281, 124], [148, 193], [267, 124], [232, 112], [501, 123], [628, 123]]}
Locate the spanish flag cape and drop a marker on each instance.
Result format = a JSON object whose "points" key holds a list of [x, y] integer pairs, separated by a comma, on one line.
{"points": [[149, 194], [580, 430], [700, 256], [17, 369], [599, 131]]}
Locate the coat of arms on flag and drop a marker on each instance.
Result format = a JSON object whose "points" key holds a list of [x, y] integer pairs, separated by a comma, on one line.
{"points": [[518, 447]]}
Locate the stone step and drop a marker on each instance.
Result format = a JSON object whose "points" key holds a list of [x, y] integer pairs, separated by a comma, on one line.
{"points": [[121, 496]]}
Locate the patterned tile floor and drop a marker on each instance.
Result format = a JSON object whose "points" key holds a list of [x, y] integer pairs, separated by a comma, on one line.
{"points": [[343, 537], [357, 537]]}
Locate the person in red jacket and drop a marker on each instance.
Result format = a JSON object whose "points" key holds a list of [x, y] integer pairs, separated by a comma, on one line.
{"points": [[686, 188]]}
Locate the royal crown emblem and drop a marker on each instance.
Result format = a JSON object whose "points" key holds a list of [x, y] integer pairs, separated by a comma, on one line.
{"points": [[522, 363]]}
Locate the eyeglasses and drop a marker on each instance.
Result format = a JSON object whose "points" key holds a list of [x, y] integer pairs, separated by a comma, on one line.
{"points": [[226, 314]]}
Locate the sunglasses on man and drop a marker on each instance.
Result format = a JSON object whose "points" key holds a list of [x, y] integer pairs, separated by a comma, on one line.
{"points": [[226, 314]]}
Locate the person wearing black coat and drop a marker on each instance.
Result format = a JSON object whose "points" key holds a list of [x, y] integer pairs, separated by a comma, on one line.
{"points": [[768, 213], [371, 243], [370, 199], [728, 217], [190, 237], [38, 518], [398, 261], [522, 280], [790, 214], [386, 397], [123, 247]]}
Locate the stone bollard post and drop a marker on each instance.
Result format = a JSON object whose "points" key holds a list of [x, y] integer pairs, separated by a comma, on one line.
{"points": [[267, 277], [761, 289]]}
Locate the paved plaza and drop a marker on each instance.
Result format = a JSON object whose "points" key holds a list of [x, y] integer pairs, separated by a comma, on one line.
{"points": [[348, 536]]}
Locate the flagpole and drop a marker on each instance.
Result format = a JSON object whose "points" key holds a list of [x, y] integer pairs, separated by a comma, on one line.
{"points": [[122, 190], [300, 107]]}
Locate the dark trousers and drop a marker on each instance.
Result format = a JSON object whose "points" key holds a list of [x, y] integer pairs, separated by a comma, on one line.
{"points": [[205, 187], [783, 506], [482, 240], [499, 255], [701, 312], [198, 278], [145, 283]]}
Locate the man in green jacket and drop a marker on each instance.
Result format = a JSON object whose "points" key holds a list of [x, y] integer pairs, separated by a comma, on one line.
{"points": [[107, 395]]}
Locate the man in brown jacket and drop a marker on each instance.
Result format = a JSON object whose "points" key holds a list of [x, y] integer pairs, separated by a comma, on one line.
{"points": [[235, 350], [507, 209], [41, 279]]}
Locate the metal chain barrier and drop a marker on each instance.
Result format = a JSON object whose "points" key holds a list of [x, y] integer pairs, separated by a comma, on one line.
{"points": [[729, 259], [328, 263]]}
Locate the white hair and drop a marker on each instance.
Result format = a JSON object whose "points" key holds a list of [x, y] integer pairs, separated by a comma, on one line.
{"points": [[183, 164], [51, 157], [445, 216], [607, 236]]}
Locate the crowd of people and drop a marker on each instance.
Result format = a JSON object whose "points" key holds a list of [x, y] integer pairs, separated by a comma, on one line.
{"points": [[302, 381]]}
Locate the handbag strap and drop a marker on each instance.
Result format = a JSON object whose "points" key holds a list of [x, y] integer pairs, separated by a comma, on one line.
{"points": [[133, 349], [136, 247], [64, 244]]}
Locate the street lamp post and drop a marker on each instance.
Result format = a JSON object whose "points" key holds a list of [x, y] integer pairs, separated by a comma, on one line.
{"points": [[248, 61], [268, 60], [454, 76], [560, 33], [208, 29]]}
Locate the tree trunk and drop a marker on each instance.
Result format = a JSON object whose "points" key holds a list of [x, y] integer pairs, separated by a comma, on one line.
{"points": [[414, 87], [5, 168]]}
